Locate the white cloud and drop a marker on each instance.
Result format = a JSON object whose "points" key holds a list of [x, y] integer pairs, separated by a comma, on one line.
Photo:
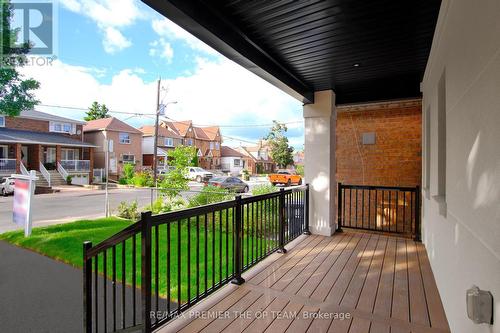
{"points": [[216, 93], [161, 48], [168, 29], [114, 40], [110, 16]]}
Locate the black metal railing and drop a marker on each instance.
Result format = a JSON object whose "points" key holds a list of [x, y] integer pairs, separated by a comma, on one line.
{"points": [[379, 208], [156, 268]]}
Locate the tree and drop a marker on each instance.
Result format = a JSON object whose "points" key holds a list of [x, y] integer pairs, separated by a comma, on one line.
{"points": [[16, 93], [97, 111], [280, 150], [175, 181]]}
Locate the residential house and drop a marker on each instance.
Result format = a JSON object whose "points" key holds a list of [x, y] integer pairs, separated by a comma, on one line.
{"points": [[298, 158], [167, 140], [127, 144], [258, 158], [54, 146], [207, 141], [232, 161]]}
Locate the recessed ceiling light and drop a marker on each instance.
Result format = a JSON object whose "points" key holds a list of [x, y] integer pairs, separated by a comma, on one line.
{"points": [[356, 64]]}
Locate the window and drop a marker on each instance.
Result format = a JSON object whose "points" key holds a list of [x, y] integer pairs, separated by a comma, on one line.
{"points": [[62, 127], [189, 142], [125, 138], [217, 146], [50, 155], [69, 154], [169, 142], [427, 148], [128, 158], [4, 151], [236, 162], [212, 145], [441, 124], [2, 121]]}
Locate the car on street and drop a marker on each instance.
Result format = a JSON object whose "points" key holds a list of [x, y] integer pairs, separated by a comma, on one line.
{"points": [[199, 174], [285, 177], [163, 171], [232, 184], [7, 186]]}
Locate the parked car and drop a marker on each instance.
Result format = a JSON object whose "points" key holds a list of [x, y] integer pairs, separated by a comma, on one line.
{"points": [[285, 177], [233, 184], [165, 170], [7, 186], [199, 174]]}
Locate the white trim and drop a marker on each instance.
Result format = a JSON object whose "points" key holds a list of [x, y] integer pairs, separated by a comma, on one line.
{"points": [[171, 140], [50, 143], [2, 123], [126, 141]]}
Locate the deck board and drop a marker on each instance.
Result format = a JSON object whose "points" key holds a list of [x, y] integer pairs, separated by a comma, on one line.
{"points": [[380, 284]]}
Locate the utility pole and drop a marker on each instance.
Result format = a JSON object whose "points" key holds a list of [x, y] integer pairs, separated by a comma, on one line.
{"points": [[155, 151]]}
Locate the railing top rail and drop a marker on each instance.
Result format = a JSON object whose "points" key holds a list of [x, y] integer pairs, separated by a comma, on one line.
{"points": [[190, 212], [371, 187], [115, 239]]}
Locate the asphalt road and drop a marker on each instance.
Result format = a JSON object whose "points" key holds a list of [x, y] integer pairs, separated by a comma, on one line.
{"points": [[67, 206]]}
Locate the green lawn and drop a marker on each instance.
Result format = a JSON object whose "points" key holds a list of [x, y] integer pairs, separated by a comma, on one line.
{"points": [[64, 242]]}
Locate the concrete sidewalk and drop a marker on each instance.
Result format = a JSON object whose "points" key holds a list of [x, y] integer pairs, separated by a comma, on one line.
{"points": [[38, 294]]}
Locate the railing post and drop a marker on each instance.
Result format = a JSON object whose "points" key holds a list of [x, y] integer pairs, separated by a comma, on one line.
{"points": [[306, 211], [146, 270], [281, 235], [238, 233], [418, 231], [339, 208], [87, 289]]}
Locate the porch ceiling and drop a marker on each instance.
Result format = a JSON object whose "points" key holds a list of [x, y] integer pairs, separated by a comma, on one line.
{"points": [[364, 51]]}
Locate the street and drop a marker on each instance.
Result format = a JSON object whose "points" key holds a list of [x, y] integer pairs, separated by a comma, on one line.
{"points": [[80, 203]]}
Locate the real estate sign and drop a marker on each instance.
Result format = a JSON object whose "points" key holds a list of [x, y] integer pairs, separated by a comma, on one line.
{"points": [[24, 189]]}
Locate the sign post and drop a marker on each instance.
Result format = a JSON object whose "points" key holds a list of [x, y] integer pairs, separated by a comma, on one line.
{"points": [[24, 189], [108, 148]]}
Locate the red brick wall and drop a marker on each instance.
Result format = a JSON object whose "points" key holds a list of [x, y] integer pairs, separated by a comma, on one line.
{"points": [[37, 126], [395, 158]]}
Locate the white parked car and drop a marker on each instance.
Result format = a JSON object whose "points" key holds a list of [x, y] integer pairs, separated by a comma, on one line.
{"points": [[7, 186], [199, 174]]}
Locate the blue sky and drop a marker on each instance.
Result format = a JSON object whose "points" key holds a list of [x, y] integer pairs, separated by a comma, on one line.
{"points": [[113, 52]]}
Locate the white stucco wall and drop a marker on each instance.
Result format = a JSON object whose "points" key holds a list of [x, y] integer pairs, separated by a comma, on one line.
{"points": [[462, 236], [229, 162]]}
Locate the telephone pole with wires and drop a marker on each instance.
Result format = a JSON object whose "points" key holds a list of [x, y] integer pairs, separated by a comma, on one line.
{"points": [[155, 145]]}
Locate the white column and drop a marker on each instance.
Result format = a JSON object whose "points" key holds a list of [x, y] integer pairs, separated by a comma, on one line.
{"points": [[320, 123]]}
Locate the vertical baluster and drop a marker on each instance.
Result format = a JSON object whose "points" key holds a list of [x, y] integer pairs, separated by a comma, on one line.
{"points": [[87, 288], [113, 263], [404, 212], [213, 250], [157, 268], [369, 208], [179, 266], [123, 284], [397, 208], [197, 257], [169, 240], [134, 279], [146, 270], [227, 243], [205, 244], [96, 294], [189, 260], [220, 246], [104, 291], [238, 240]]}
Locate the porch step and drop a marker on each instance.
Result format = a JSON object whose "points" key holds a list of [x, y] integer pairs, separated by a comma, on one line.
{"points": [[55, 179]]}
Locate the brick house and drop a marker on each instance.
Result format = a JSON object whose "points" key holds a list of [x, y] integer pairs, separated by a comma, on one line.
{"points": [[232, 161], [207, 141], [167, 140], [127, 144], [53, 146], [380, 143], [258, 158]]}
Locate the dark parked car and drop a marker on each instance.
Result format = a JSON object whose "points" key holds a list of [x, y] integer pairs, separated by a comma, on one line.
{"points": [[231, 183]]}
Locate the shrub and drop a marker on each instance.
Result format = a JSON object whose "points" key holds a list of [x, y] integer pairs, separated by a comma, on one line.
{"points": [[122, 181], [209, 194], [69, 178], [142, 179], [128, 172], [128, 211], [264, 189], [299, 169], [161, 205]]}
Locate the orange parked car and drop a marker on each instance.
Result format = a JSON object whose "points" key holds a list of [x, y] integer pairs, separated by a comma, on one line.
{"points": [[285, 177]]}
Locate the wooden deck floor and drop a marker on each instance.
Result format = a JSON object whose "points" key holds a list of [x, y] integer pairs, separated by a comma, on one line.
{"points": [[378, 284]]}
